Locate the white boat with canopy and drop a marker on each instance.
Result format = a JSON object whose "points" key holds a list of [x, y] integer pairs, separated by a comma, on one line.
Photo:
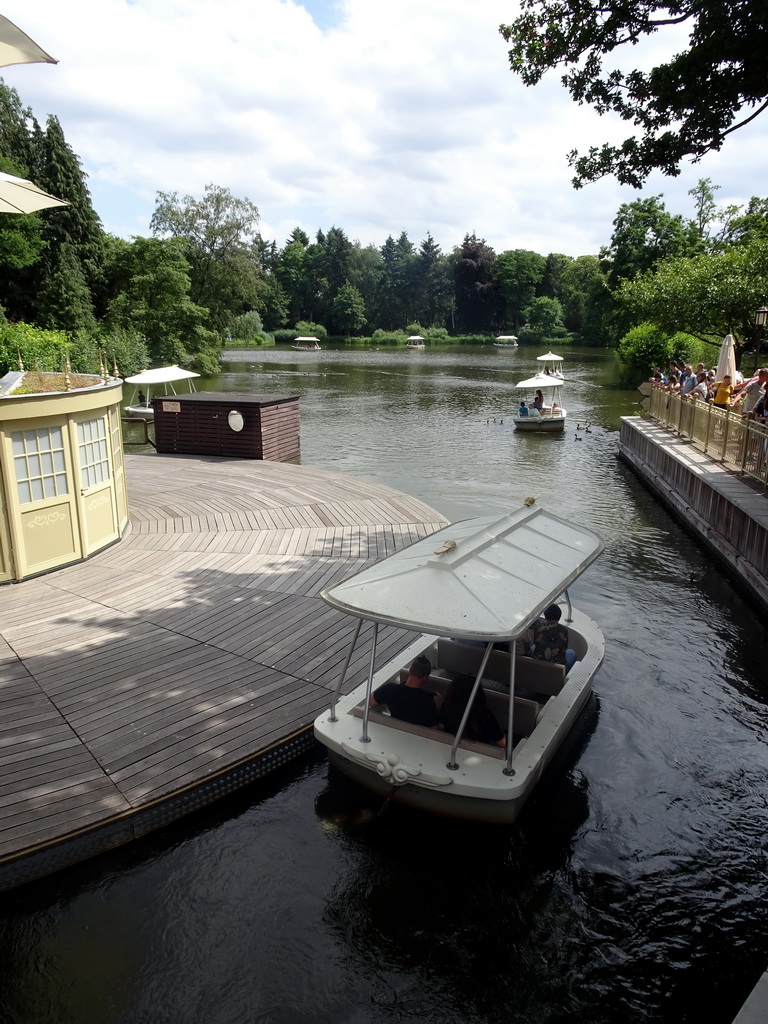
{"points": [[506, 341], [551, 417], [415, 341], [551, 364], [157, 382], [469, 592], [306, 344]]}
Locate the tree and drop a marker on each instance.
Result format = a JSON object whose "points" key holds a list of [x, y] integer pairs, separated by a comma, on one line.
{"points": [[544, 316], [475, 285], [682, 108], [644, 233], [433, 284], [153, 299], [348, 309], [75, 238], [218, 230], [707, 296], [588, 305], [517, 274]]}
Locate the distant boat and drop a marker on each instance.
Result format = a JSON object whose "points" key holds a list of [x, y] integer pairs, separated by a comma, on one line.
{"points": [[158, 381], [550, 357], [306, 345], [505, 341], [415, 341]]}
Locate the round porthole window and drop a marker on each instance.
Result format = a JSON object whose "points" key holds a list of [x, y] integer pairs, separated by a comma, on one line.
{"points": [[235, 420]]}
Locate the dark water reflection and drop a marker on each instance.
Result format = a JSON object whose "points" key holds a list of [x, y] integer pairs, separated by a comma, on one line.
{"points": [[634, 886]]}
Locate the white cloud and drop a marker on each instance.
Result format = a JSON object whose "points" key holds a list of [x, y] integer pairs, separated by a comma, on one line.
{"points": [[377, 118]]}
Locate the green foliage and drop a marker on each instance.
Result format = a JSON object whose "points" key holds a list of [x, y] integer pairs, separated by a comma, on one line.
{"points": [[647, 346], [682, 108], [309, 330], [706, 296], [246, 326], [381, 337], [348, 309], [544, 317], [643, 234], [517, 274], [435, 334], [39, 349]]}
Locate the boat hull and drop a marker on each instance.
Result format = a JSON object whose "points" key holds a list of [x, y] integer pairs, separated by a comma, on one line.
{"points": [[144, 412], [540, 424]]}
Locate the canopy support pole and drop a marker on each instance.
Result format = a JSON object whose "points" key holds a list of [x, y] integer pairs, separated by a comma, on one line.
{"points": [[365, 738], [508, 769], [569, 616], [452, 764], [337, 690]]}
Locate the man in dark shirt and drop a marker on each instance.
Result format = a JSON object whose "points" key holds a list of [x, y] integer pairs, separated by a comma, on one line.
{"points": [[407, 701]]}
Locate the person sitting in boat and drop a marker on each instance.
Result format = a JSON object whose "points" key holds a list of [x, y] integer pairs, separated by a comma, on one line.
{"points": [[408, 701], [550, 640], [523, 410], [538, 401], [481, 724], [142, 398]]}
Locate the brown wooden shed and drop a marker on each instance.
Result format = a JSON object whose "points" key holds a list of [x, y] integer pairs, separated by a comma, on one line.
{"points": [[228, 424]]}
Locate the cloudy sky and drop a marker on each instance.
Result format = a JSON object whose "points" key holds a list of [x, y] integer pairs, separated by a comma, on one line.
{"points": [[376, 117]]}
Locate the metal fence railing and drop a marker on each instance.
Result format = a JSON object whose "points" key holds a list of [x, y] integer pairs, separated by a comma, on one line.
{"points": [[723, 434]]}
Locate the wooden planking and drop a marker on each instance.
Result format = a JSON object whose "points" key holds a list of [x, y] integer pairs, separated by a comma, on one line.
{"points": [[197, 641]]}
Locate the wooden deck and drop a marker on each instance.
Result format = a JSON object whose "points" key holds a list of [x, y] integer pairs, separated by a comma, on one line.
{"points": [[188, 648]]}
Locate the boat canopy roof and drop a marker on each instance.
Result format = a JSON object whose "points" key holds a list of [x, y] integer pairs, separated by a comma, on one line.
{"points": [[483, 578], [541, 380], [549, 357], [506, 337], [161, 375], [308, 337]]}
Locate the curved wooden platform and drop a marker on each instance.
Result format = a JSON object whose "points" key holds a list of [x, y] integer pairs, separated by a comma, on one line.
{"points": [[178, 657]]}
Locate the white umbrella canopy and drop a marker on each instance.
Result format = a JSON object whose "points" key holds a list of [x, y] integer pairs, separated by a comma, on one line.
{"points": [[17, 195], [541, 381], [17, 48], [726, 363], [549, 358]]}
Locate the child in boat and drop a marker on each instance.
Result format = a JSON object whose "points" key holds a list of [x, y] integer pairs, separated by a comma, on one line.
{"points": [[523, 410], [481, 725]]}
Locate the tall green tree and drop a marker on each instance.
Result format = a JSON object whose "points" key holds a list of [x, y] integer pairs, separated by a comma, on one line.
{"points": [[475, 285], [348, 310], [518, 273], [434, 293], [74, 238], [152, 280], [683, 107], [644, 233], [218, 230], [589, 308]]}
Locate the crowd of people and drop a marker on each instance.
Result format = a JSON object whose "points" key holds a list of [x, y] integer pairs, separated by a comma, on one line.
{"points": [[745, 395]]}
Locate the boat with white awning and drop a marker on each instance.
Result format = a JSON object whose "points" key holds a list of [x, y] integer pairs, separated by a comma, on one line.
{"points": [[157, 382], [468, 593]]}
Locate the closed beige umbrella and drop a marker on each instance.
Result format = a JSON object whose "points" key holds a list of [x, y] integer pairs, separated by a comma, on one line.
{"points": [[17, 48]]}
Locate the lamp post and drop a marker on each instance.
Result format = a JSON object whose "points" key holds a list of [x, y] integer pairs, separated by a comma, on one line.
{"points": [[761, 319]]}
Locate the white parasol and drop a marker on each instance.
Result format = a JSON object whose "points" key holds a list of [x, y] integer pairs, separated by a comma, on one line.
{"points": [[726, 363], [17, 195], [17, 48]]}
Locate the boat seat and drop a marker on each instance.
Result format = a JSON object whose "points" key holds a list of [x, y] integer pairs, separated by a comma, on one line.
{"points": [[531, 674], [526, 711]]}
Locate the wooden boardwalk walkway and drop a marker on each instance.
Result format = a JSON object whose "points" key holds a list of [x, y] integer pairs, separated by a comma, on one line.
{"points": [[198, 644]]}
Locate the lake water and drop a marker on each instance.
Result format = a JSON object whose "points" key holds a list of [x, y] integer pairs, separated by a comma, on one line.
{"points": [[634, 886]]}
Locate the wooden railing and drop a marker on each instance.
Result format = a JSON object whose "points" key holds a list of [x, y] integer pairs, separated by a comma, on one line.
{"points": [[723, 434]]}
